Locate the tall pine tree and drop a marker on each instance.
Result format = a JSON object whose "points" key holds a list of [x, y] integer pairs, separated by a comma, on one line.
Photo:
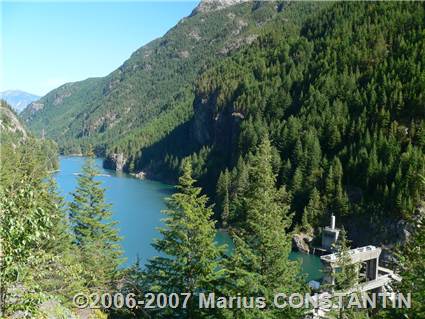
{"points": [[260, 265]]}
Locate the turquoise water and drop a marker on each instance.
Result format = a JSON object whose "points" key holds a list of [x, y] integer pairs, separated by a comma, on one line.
{"points": [[310, 264], [137, 206]]}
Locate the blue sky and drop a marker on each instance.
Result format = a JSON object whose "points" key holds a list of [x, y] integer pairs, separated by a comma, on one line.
{"points": [[46, 44]]}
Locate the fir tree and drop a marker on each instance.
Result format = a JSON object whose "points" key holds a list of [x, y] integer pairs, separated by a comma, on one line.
{"points": [[260, 265], [189, 261], [94, 232], [314, 209], [63, 275], [337, 199]]}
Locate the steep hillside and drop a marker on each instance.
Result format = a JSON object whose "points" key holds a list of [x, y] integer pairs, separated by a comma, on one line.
{"points": [[18, 100], [155, 85], [342, 100]]}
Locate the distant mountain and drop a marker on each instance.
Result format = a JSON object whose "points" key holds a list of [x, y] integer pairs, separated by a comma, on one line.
{"points": [[18, 99]]}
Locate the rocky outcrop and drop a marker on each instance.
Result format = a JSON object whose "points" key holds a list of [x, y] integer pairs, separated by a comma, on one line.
{"points": [[237, 43], [115, 161], [301, 242], [139, 175], [215, 126]]}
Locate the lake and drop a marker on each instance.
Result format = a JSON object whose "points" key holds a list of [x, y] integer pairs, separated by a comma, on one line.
{"points": [[137, 206]]}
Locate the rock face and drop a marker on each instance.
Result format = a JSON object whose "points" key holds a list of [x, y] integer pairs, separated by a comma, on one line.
{"points": [[212, 126], [203, 124], [115, 162], [301, 243]]}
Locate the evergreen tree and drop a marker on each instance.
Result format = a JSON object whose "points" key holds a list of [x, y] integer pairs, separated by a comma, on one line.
{"points": [[94, 232], [337, 199], [260, 264], [240, 178], [189, 261], [314, 209], [63, 275]]}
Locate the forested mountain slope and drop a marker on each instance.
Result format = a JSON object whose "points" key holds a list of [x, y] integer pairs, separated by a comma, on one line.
{"points": [[152, 92], [342, 99]]}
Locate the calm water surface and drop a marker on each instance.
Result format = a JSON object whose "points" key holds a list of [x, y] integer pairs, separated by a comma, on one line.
{"points": [[137, 206]]}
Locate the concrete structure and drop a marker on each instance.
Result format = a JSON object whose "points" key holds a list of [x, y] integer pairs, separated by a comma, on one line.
{"points": [[330, 236], [366, 257], [371, 277]]}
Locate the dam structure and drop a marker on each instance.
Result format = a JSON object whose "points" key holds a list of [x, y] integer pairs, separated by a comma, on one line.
{"points": [[371, 277]]}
